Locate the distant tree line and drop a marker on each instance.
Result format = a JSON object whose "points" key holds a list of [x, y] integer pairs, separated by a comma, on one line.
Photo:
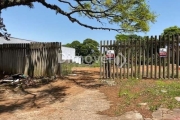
{"points": [[170, 31], [88, 49]]}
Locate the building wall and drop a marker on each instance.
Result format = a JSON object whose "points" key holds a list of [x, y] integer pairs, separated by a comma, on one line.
{"points": [[78, 59], [70, 54]]}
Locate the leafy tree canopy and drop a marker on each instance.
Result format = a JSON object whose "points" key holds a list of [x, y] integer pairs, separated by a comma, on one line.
{"points": [[128, 15], [122, 37], [174, 30], [67, 45], [75, 44], [91, 47], [88, 47]]}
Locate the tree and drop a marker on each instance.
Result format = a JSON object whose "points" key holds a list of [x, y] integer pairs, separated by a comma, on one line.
{"points": [[67, 45], [121, 37], [128, 15], [88, 49], [174, 30], [3, 30], [91, 47], [77, 45]]}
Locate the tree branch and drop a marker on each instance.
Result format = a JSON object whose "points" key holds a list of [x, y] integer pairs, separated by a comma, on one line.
{"points": [[7, 3], [55, 7], [67, 3], [114, 13]]}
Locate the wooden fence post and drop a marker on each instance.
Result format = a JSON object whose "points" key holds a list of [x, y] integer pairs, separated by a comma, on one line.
{"points": [[136, 58], [168, 60], [177, 56], [144, 57], [132, 58], [164, 59], [155, 71], [104, 60], [147, 63], [114, 60], [173, 56], [60, 59], [159, 58], [152, 56], [124, 54], [139, 66], [128, 58], [100, 59]]}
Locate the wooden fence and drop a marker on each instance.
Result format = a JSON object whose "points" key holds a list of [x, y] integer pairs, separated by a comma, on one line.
{"points": [[141, 59], [34, 59]]}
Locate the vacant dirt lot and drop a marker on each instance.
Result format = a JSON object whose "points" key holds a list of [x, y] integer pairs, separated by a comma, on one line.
{"points": [[78, 96], [69, 98]]}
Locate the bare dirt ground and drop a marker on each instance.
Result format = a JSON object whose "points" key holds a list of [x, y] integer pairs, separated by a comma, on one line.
{"points": [[79, 96], [75, 97]]}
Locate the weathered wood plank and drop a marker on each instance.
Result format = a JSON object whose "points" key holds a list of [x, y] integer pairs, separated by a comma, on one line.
{"points": [[147, 72], [100, 59], [177, 58], [155, 71], [160, 58], [173, 56], [168, 59], [152, 56]]}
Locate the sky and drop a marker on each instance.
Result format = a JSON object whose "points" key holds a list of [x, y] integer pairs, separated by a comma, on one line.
{"points": [[43, 25]]}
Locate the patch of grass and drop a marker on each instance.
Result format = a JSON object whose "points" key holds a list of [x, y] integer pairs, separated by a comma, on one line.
{"points": [[163, 94], [131, 82], [154, 107], [128, 94], [160, 93], [126, 90], [66, 68], [96, 64]]}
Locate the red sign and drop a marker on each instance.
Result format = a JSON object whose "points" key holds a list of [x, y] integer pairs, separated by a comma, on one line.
{"points": [[163, 52], [110, 54]]}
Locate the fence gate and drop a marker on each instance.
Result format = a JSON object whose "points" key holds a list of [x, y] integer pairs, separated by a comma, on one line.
{"points": [[152, 57]]}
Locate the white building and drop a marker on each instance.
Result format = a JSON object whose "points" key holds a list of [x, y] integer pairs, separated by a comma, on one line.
{"points": [[67, 52], [70, 54]]}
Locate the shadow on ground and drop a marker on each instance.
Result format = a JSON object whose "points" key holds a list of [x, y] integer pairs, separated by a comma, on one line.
{"points": [[27, 100], [45, 92], [86, 79]]}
